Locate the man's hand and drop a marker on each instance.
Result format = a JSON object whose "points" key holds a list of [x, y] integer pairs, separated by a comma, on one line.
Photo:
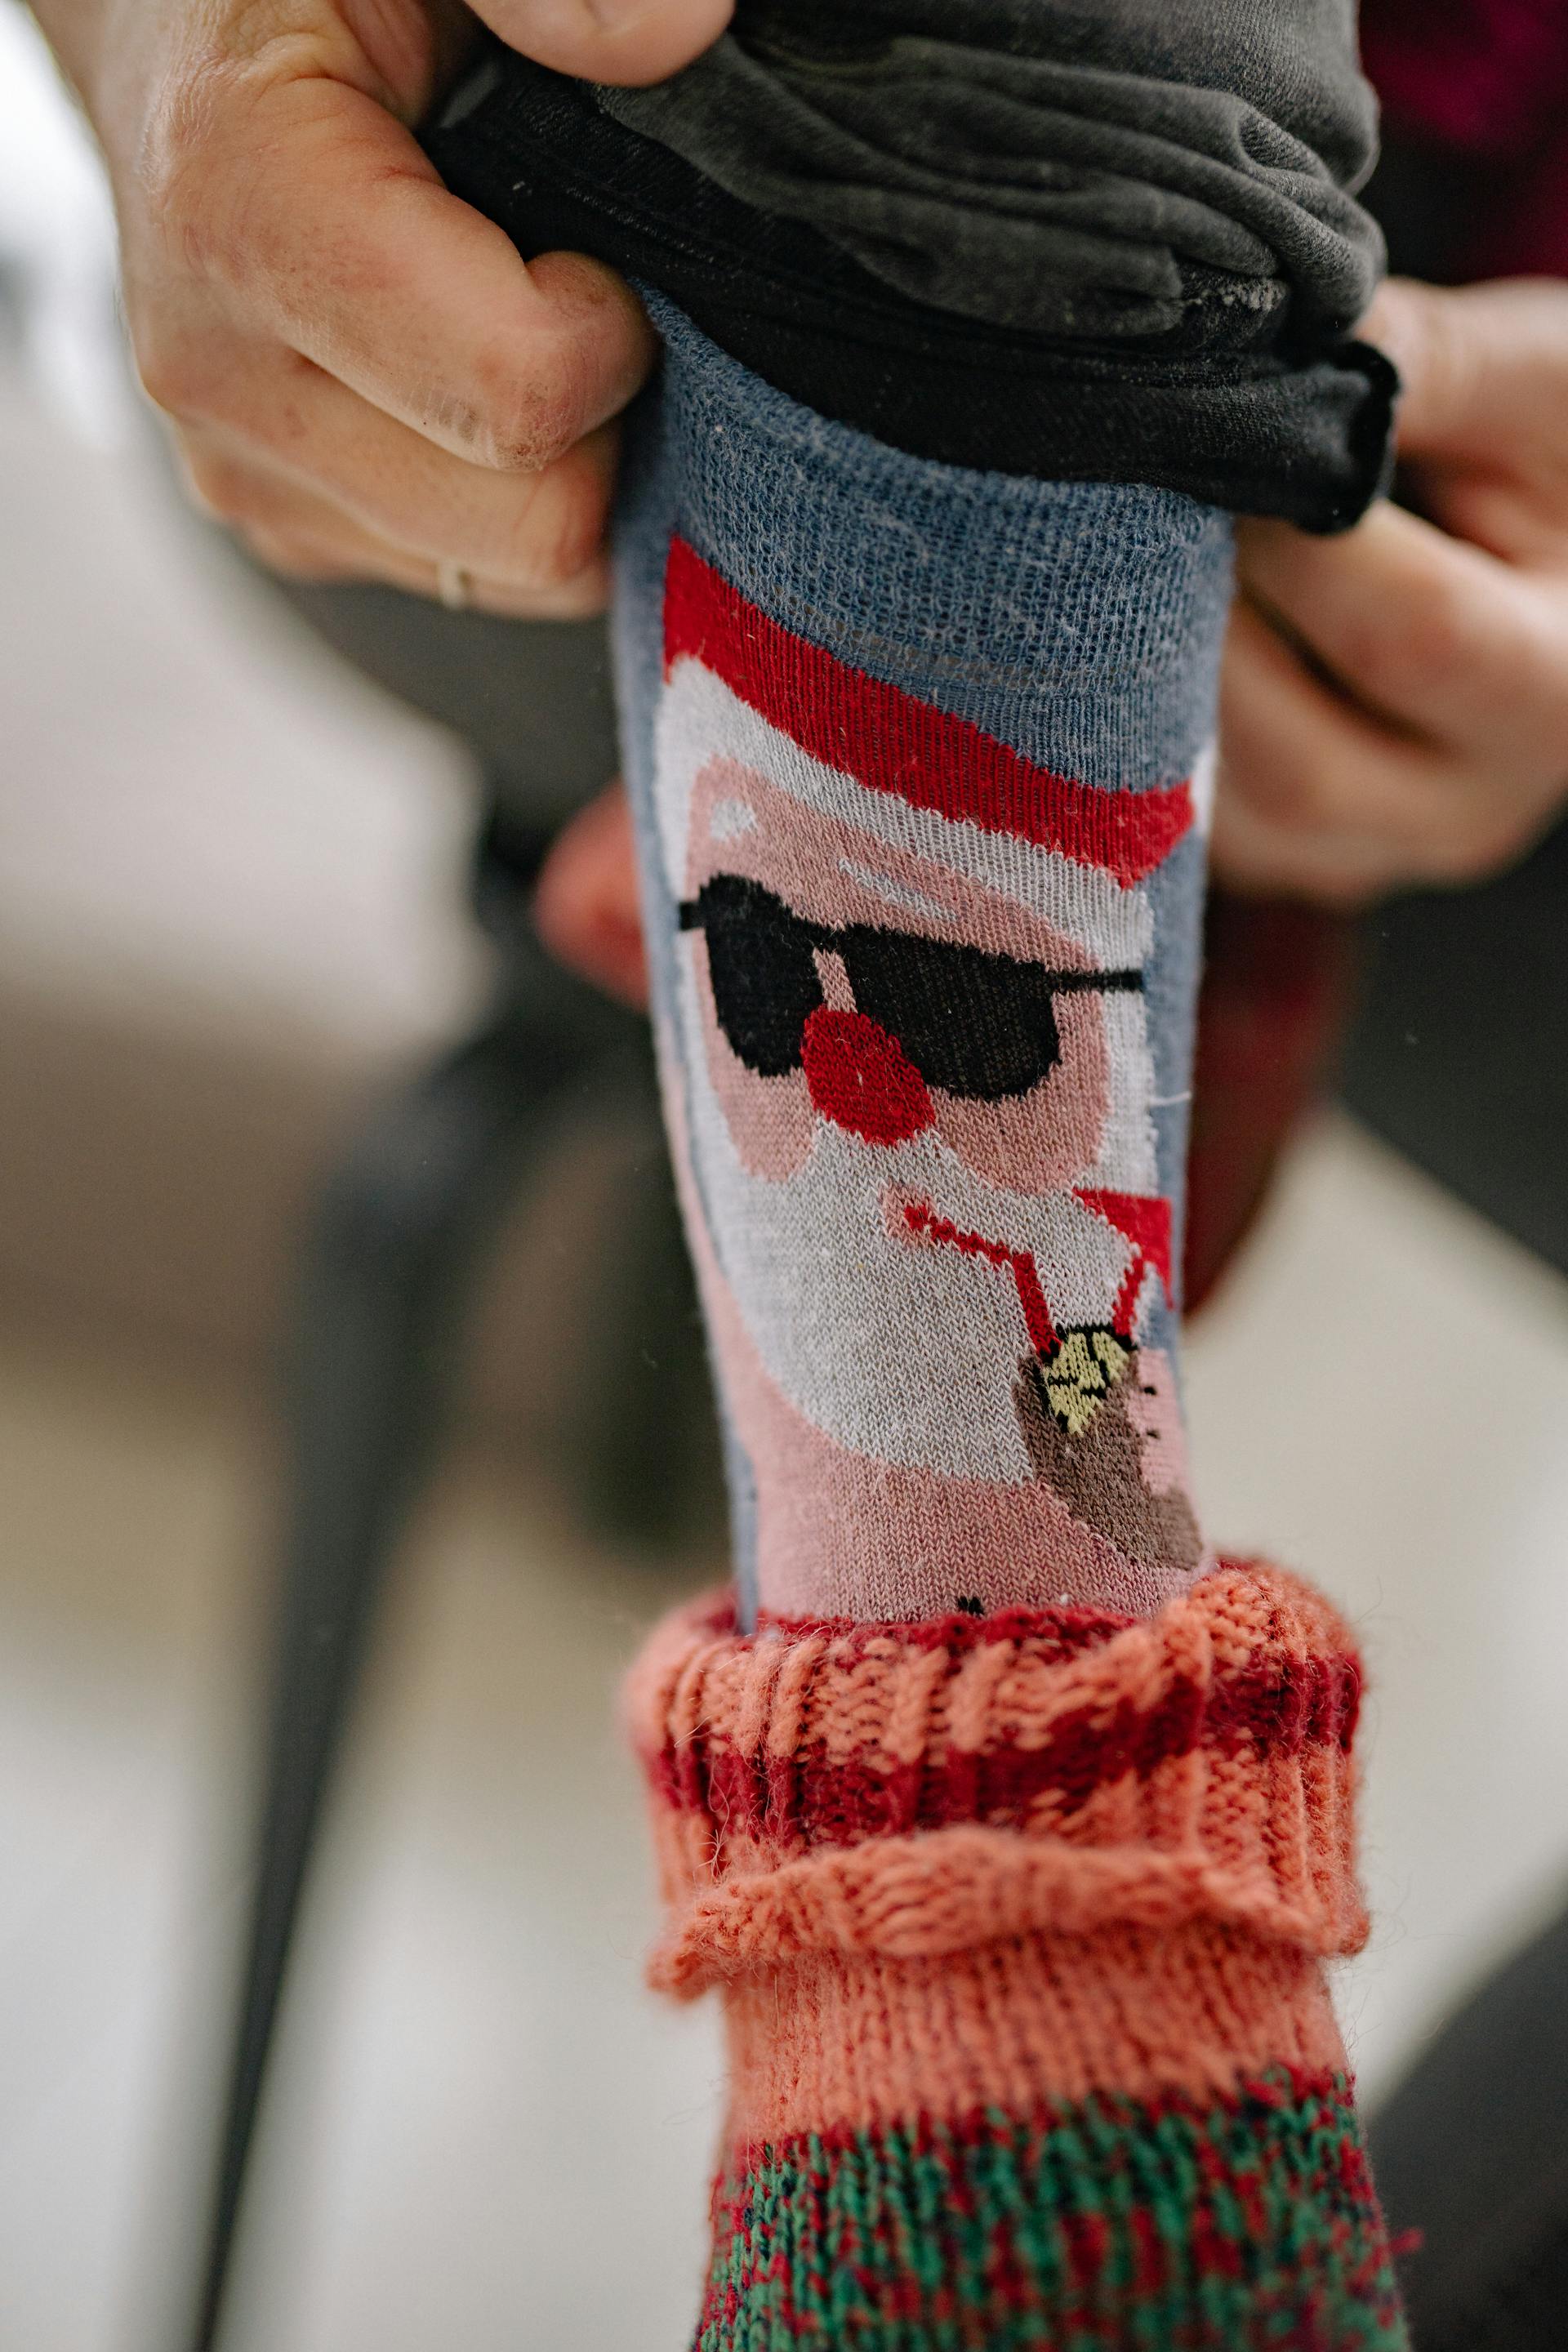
{"points": [[1395, 702], [365, 379]]}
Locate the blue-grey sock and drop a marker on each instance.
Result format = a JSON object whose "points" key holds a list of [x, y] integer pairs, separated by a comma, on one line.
{"points": [[920, 758]]}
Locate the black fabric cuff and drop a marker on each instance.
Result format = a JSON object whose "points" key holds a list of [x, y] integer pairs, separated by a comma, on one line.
{"points": [[1305, 436]]}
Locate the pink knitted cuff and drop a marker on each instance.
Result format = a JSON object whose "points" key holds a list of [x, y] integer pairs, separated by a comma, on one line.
{"points": [[908, 1790]]}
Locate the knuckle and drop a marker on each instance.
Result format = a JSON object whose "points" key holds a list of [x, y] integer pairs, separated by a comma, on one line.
{"points": [[565, 532], [181, 163], [208, 482], [230, 493], [1430, 333], [279, 550], [174, 376], [1447, 350], [523, 418], [207, 168], [162, 376], [176, 150], [524, 434]]}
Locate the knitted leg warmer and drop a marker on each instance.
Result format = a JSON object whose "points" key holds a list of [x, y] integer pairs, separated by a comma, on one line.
{"points": [[1019, 1925]]}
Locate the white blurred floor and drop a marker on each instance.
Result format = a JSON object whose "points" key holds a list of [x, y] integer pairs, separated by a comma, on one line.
{"points": [[486, 2134], [486, 2137], [1380, 1400]]}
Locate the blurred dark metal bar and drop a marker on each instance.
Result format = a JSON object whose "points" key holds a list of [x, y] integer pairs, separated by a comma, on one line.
{"points": [[399, 1231]]}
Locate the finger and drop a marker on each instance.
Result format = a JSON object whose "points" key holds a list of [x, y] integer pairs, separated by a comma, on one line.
{"points": [[629, 41], [1477, 363], [1336, 868], [1249, 854], [1309, 766], [328, 562], [532, 529], [1517, 517], [586, 905], [293, 530], [1423, 629], [1439, 361], [358, 257]]}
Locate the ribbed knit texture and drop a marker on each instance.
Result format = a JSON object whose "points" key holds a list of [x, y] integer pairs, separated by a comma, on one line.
{"points": [[1020, 1924]]}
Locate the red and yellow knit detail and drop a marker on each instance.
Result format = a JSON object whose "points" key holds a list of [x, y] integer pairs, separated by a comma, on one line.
{"points": [[900, 1792]]}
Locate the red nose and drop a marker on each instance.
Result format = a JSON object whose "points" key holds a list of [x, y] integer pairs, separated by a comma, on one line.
{"points": [[860, 1079]]}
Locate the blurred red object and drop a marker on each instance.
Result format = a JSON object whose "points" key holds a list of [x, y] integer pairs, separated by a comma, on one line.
{"points": [[1276, 994], [1484, 81]]}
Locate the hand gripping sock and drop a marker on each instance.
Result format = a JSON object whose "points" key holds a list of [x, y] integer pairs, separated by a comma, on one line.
{"points": [[1013, 1824]]}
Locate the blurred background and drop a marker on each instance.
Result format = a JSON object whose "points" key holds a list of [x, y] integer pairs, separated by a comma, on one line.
{"points": [[238, 920]]}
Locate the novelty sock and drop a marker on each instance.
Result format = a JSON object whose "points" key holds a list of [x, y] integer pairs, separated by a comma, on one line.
{"points": [[1013, 1827], [921, 757]]}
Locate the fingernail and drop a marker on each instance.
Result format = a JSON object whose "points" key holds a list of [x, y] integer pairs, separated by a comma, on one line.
{"points": [[687, 26], [619, 16]]}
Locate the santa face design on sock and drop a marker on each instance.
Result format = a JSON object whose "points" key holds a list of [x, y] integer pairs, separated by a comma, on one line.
{"points": [[916, 1107]]}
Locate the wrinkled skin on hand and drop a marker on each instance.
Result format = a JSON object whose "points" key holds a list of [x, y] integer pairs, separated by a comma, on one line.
{"points": [[364, 379]]}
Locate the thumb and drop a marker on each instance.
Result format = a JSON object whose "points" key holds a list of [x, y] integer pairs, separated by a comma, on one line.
{"points": [[628, 41], [1476, 361]]}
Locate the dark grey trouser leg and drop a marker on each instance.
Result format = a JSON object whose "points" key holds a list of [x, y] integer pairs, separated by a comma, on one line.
{"points": [[1472, 2152]]}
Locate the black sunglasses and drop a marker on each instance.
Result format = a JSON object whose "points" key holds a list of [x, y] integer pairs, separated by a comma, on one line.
{"points": [[972, 1022]]}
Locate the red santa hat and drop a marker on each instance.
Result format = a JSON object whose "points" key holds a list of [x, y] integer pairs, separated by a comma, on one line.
{"points": [[890, 743]]}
